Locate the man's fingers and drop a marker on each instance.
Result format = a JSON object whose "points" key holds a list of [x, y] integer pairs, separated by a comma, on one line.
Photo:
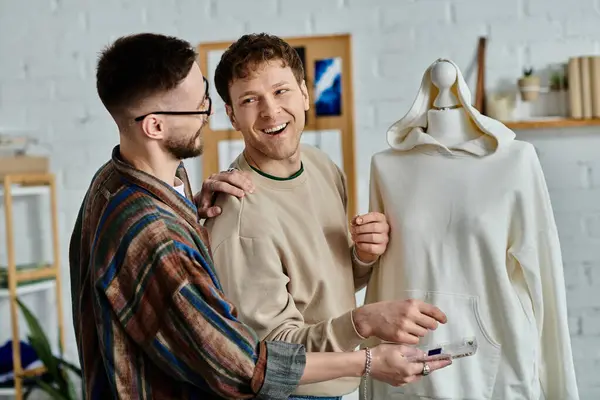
{"points": [[374, 238], [414, 329], [405, 337], [433, 312], [426, 321], [236, 178], [412, 352], [416, 367], [213, 211], [373, 227], [370, 248], [438, 364], [225, 187], [368, 218]]}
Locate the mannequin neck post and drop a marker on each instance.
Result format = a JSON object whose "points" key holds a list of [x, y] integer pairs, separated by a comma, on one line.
{"points": [[451, 127]]}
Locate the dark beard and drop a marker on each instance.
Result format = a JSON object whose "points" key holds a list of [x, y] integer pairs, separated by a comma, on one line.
{"points": [[183, 149]]}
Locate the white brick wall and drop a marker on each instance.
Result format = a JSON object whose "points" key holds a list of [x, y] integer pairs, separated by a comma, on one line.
{"points": [[48, 50]]}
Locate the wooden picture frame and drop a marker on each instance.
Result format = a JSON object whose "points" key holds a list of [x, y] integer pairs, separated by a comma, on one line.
{"points": [[326, 120]]}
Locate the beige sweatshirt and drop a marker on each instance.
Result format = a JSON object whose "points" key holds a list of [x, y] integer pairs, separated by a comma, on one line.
{"points": [[283, 255]]}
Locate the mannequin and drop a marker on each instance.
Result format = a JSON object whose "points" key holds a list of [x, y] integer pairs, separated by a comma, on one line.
{"points": [[473, 233], [447, 123]]}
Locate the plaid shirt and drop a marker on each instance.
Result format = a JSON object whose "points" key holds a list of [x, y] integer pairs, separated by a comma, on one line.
{"points": [[148, 310]]}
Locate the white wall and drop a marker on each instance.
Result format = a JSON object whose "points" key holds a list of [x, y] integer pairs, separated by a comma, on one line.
{"points": [[48, 50]]}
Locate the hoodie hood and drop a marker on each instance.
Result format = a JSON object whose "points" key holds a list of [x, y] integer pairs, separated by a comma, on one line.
{"points": [[410, 131]]}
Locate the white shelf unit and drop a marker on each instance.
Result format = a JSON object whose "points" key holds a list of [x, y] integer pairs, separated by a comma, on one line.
{"points": [[11, 187]]}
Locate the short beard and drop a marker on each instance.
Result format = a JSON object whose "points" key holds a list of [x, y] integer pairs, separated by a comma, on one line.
{"points": [[182, 149]]}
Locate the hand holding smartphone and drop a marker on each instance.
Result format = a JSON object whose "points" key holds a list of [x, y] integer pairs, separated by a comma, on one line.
{"points": [[464, 347]]}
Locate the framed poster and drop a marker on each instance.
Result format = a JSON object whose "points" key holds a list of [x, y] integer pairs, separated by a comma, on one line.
{"points": [[329, 126]]}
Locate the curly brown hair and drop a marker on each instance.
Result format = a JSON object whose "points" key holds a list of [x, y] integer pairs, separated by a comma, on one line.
{"points": [[248, 53], [141, 65]]}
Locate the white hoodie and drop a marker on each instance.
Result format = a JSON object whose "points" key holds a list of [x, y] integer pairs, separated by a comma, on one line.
{"points": [[473, 232]]}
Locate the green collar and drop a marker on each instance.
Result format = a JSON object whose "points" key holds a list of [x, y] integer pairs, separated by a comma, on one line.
{"points": [[276, 178]]}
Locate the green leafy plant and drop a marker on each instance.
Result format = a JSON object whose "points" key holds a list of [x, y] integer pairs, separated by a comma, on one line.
{"points": [[527, 71], [56, 381]]}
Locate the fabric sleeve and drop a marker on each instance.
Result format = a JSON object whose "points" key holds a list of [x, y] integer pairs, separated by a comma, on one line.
{"points": [[536, 247], [167, 299], [250, 270]]}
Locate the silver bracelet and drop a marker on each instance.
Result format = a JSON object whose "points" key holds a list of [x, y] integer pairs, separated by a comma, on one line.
{"points": [[367, 371]]}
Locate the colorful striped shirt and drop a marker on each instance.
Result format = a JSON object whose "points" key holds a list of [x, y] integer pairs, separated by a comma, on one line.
{"points": [[149, 313]]}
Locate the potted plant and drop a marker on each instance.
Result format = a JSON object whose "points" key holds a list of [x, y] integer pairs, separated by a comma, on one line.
{"points": [[529, 85], [55, 382]]}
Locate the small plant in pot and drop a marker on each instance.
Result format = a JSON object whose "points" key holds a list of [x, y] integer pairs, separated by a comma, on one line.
{"points": [[529, 85]]}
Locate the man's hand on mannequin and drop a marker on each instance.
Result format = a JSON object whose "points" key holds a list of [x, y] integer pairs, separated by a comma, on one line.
{"points": [[370, 234], [233, 182], [398, 321]]}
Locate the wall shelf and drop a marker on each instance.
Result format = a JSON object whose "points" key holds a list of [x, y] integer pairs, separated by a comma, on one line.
{"points": [[29, 288], [19, 191], [551, 123]]}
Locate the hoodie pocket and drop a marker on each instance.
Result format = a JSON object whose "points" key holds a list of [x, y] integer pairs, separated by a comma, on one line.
{"points": [[471, 377]]}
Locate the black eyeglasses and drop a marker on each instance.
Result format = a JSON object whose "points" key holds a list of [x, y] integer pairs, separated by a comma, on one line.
{"points": [[206, 112]]}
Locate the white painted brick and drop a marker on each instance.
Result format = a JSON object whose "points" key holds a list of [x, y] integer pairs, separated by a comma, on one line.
{"points": [[384, 4], [524, 30], [593, 271], [595, 173], [582, 351], [558, 51], [423, 12], [582, 143], [583, 25], [210, 30], [25, 90], [574, 326], [559, 8], [582, 199], [371, 44], [501, 56], [566, 174], [114, 18], [593, 226], [294, 25], [451, 34], [411, 66], [364, 113], [72, 89], [288, 8], [590, 322], [581, 251], [470, 11], [577, 275], [346, 20], [375, 89], [388, 112], [161, 16], [246, 9], [570, 225]]}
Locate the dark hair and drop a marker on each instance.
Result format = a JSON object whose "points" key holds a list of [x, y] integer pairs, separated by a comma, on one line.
{"points": [[139, 65], [249, 52]]}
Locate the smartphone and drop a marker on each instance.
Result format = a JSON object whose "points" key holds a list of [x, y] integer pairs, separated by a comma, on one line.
{"points": [[464, 347]]}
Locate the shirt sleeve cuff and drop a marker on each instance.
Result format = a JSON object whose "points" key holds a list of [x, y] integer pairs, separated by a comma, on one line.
{"points": [[346, 334], [285, 366], [358, 261]]}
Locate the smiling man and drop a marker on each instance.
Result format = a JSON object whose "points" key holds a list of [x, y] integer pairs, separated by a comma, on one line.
{"points": [[284, 254]]}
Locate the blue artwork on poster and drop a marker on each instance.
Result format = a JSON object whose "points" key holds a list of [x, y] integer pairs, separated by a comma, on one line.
{"points": [[328, 87]]}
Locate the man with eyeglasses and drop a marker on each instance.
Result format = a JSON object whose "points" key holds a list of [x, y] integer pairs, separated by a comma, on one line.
{"points": [[150, 317]]}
